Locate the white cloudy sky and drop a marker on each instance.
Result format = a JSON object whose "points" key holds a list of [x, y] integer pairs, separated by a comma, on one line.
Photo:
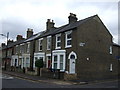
{"points": [[18, 15]]}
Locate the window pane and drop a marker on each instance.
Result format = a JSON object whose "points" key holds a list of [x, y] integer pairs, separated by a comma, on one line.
{"points": [[55, 65], [69, 42], [72, 57], [58, 44], [55, 58], [58, 38], [61, 66], [68, 36], [48, 43], [40, 47], [61, 58]]}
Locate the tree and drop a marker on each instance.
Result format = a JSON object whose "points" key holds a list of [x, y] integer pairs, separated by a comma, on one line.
{"points": [[39, 65]]}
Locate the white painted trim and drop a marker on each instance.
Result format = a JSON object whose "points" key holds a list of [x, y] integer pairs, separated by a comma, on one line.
{"points": [[48, 54], [110, 49], [25, 54], [40, 39], [39, 44], [73, 54], [28, 42], [49, 37], [66, 39], [68, 32], [111, 67], [57, 35], [39, 54], [58, 51]]}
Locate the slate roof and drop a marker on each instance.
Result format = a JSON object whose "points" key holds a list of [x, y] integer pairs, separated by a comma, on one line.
{"points": [[116, 44], [52, 31], [23, 41], [64, 28]]}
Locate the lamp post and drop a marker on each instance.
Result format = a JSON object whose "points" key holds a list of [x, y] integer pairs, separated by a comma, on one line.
{"points": [[7, 36]]}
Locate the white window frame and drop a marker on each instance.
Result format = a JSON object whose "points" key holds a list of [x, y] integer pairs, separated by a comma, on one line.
{"points": [[22, 49], [58, 53], [110, 49], [16, 49], [28, 47], [38, 55], [48, 43], [40, 44], [58, 35], [27, 63], [66, 39], [111, 67]]}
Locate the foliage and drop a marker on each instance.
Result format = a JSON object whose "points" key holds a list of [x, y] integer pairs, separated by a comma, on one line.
{"points": [[39, 63]]}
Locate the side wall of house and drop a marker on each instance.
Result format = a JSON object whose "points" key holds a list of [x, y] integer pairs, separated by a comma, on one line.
{"points": [[94, 57]]}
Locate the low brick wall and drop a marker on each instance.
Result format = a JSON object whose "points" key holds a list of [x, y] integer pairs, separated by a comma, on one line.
{"points": [[70, 76]]}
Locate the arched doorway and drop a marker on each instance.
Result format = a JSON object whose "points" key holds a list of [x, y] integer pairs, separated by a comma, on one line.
{"points": [[72, 62]]}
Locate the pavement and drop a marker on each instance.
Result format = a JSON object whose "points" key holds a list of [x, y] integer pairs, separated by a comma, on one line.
{"points": [[38, 78], [48, 80]]}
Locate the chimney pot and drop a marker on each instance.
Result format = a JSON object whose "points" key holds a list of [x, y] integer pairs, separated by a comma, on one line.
{"points": [[72, 18], [29, 32], [49, 24]]}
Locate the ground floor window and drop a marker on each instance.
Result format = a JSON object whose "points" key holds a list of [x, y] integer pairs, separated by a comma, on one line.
{"points": [[27, 62], [39, 58], [58, 61]]}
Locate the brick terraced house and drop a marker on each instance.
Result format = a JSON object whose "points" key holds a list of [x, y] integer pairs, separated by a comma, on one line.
{"points": [[78, 50]]}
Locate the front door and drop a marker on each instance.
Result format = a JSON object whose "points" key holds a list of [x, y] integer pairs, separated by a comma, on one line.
{"points": [[72, 66]]}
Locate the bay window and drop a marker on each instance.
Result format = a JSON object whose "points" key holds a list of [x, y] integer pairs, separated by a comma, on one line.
{"points": [[58, 61]]}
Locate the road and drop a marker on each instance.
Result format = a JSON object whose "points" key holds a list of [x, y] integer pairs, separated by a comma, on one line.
{"points": [[15, 82]]}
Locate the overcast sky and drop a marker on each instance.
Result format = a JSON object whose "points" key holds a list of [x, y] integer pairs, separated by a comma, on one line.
{"points": [[18, 15]]}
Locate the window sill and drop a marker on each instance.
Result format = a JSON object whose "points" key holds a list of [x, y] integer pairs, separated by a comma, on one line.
{"points": [[68, 46], [58, 48], [48, 49]]}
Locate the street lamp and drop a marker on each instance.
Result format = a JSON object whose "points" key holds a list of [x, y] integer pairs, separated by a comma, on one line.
{"points": [[6, 45]]}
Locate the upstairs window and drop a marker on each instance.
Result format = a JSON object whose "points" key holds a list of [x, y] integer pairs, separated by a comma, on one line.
{"points": [[28, 47], [16, 49], [68, 39], [48, 42], [40, 44], [22, 48], [110, 49], [58, 41]]}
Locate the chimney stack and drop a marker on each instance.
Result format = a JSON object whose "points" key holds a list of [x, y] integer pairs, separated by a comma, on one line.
{"points": [[19, 37], [49, 24], [29, 32], [10, 41], [72, 18]]}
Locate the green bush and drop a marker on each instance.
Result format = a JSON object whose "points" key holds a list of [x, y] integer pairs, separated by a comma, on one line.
{"points": [[39, 63]]}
